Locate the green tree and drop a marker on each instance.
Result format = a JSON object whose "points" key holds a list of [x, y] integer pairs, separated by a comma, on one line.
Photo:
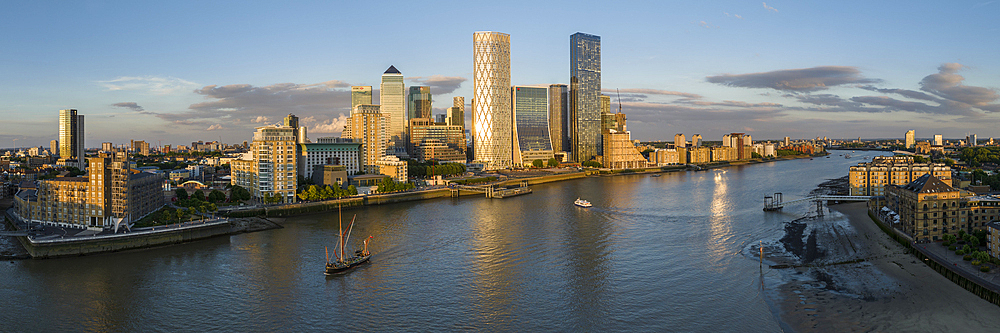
{"points": [[755, 155], [537, 163], [238, 193], [553, 163], [216, 196], [352, 190], [313, 192], [181, 194], [180, 215], [199, 195]]}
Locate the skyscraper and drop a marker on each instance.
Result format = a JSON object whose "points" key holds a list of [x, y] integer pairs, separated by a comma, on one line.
{"points": [[680, 141], [491, 109], [419, 102], [54, 147], [368, 127], [910, 141], [531, 125], [392, 100], [558, 117], [938, 139], [71, 136], [585, 91], [456, 113], [360, 95], [696, 140]]}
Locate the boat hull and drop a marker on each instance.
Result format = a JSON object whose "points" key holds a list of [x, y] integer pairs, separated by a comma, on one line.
{"points": [[340, 267]]}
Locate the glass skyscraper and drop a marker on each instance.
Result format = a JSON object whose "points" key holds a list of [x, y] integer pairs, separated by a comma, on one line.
{"points": [[419, 102], [392, 103], [559, 116], [71, 136], [585, 92], [531, 124], [491, 109], [360, 95]]}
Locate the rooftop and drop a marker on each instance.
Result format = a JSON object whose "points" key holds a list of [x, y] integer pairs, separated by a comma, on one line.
{"points": [[928, 184]]}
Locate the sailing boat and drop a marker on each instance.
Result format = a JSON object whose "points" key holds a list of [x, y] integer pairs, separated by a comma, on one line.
{"points": [[342, 263]]}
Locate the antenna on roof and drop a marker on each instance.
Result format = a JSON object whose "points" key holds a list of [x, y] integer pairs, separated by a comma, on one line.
{"points": [[619, 100]]}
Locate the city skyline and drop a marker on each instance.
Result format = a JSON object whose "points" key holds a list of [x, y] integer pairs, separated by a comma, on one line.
{"points": [[137, 73]]}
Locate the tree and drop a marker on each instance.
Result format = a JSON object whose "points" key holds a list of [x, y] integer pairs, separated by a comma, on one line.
{"points": [[199, 195], [756, 155], [537, 163], [352, 190], [181, 194], [591, 164], [919, 159], [238, 193], [553, 163], [216, 196], [180, 215]]}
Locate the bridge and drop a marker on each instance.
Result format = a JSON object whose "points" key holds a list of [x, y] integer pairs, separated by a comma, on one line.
{"points": [[491, 190], [774, 202]]}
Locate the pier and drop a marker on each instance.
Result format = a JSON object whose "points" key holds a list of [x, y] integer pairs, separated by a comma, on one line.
{"points": [[492, 191], [774, 202]]}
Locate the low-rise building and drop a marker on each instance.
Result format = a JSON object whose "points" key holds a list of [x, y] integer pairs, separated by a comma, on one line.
{"points": [[315, 155], [928, 208], [871, 178], [393, 167]]}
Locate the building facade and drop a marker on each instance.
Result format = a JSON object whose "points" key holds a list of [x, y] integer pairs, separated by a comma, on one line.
{"points": [[492, 120], [910, 138], [312, 156], [531, 125], [368, 126], [71, 134], [392, 101], [456, 113], [391, 166], [419, 102], [361, 95], [680, 141], [436, 141], [270, 168], [927, 208], [585, 92], [559, 117], [871, 178]]}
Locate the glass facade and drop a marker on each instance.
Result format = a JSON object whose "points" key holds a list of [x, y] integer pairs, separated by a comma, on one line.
{"points": [[559, 116], [392, 103], [531, 124], [361, 95], [585, 92], [419, 102]]}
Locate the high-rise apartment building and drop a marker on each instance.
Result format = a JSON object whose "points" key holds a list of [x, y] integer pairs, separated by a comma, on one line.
{"points": [[368, 126], [437, 141], [419, 102], [585, 92], [871, 178], [360, 95], [54, 147], [618, 150], [696, 140], [559, 117], [910, 140], [531, 125], [938, 140], [491, 109], [392, 104], [456, 113], [269, 169], [71, 134], [973, 140], [680, 141]]}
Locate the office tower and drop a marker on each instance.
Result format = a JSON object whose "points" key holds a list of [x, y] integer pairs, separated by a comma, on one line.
{"points": [[531, 125], [54, 148], [491, 109], [301, 136], [938, 140], [973, 140], [696, 140], [392, 105], [441, 118], [269, 170], [368, 126], [435, 141], [419, 102], [910, 141], [788, 141], [71, 136], [585, 91], [558, 117], [360, 95], [680, 141], [456, 113]]}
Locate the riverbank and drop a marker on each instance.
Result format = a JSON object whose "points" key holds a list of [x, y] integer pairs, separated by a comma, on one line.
{"points": [[862, 280]]}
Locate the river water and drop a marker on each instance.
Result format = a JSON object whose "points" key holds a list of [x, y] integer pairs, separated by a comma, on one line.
{"points": [[653, 254]]}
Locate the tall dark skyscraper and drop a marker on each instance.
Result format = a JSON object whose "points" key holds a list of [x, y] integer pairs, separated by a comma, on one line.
{"points": [[419, 102], [71, 136], [559, 117], [585, 92]]}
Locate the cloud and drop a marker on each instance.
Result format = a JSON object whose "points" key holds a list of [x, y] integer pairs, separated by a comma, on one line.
{"points": [[439, 84], [652, 92], [948, 85], [334, 125], [768, 8], [802, 79], [128, 105], [903, 92], [214, 127], [259, 119], [151, 84], [738, 16]]}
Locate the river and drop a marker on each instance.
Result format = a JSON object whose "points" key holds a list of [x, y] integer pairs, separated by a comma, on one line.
{"points": [[653, 254]]}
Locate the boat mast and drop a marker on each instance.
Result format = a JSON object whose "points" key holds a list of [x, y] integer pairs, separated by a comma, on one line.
{"points": [[349, 228], [340, 230]]}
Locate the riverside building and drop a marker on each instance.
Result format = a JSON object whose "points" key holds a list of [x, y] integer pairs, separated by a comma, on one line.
{"points": [[440, 142], [71, 147], [269, 169], [871, 178], [112, 194], [531, 125], [368, 126], [492, 122], [928, 208], [392, 101], [584, 95], [312, 156], [559, 117]]}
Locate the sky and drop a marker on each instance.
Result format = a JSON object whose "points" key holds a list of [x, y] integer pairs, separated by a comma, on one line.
{"points": [[174, 72]]}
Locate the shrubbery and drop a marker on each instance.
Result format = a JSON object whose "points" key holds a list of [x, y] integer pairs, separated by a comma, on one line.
{"points": [[967, 257], [984, 268]]}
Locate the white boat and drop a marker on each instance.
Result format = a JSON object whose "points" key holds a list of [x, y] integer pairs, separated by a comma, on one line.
{"points": [[582, 203]]}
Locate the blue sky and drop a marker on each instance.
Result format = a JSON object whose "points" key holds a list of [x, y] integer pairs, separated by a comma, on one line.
{"points": [[176, 72]]}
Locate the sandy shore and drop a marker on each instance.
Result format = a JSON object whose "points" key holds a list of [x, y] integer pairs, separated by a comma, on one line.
{"points": [[887, 291]]}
